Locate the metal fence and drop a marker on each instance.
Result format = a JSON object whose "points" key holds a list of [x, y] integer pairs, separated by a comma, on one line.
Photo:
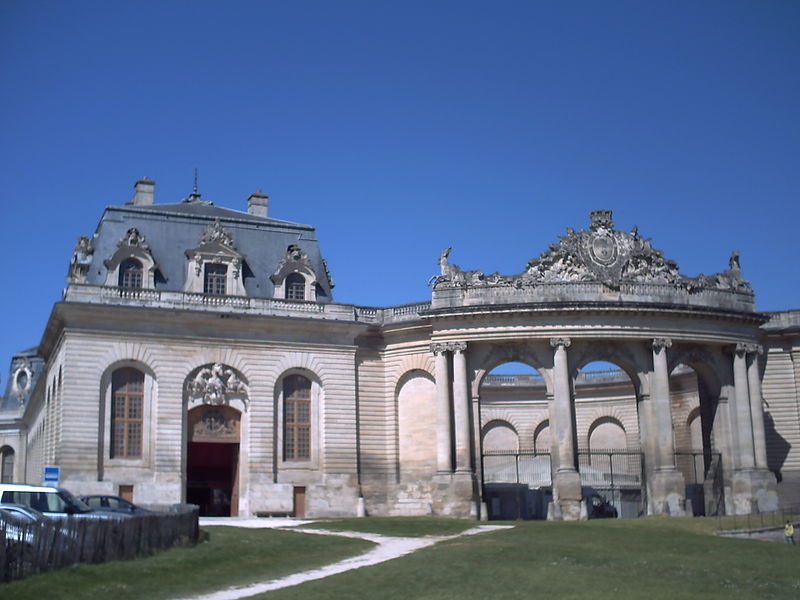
{"points": [[30, 548], [617, 476], [702, 473]]}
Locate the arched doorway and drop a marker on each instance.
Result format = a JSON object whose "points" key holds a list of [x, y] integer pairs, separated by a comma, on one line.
{"points": [[698, 461], [212, 460], [515, 443], [607, 426]]}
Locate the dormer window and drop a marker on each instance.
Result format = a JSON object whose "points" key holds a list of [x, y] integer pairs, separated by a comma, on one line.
{"points": [[294, 279], [132, 267], [214, 267], [215, 279], [295, 287], [130, 274]]}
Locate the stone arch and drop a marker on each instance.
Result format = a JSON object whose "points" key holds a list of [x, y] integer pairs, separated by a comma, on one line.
{"points": [[484, 358], [609, 433], [300, 360], [710, 367], [412, 362], [541, 437], [499, 435], [614, 414], [629, 357]]}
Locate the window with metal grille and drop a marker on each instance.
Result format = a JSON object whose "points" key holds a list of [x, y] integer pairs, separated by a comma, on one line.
{"points": [[215, 277], [130, 274], [127, 413], [296, 418], [295, 287]]}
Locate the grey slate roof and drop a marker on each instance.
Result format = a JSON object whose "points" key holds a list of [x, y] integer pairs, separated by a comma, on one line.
{"points": [[172, 229]]}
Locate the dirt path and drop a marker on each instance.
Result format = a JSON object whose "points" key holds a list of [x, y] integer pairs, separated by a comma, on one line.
{"points": [[387, 548]]}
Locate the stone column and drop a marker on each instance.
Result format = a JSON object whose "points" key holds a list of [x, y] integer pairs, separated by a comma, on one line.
{"points": [[756, 407], [753, 486], [566, 480], [461, 407], [744, 424], [443, 441], [662, 411], [667, 489]]}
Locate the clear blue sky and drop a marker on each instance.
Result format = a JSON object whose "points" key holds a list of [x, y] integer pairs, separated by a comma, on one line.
{"points": [[400, 128]]}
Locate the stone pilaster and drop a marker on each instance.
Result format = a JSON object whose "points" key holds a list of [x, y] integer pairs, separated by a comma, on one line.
{"points": [[443, 440], [742, 411], [756, 406], [566, 480], [461, 408], [666, 487], [753, 486]]}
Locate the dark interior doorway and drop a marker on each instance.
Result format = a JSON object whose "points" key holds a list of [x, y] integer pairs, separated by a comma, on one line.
{"points": [[211, 478]]}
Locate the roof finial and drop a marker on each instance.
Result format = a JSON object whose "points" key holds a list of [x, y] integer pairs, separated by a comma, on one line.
{"points": [[194, 190], [195, 195]]}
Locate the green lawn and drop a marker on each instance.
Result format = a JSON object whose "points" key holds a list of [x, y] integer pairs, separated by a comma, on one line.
{"points": [[232, 556], [615, 559], [654, 558]]}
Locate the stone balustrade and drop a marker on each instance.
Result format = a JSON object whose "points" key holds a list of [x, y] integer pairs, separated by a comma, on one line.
{"points": [[116, 296]]}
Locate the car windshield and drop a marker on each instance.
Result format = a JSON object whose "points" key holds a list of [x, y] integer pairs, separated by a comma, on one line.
{"points": [[72, 502]]}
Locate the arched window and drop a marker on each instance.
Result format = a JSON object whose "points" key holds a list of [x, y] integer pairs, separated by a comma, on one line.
{"points": [[127, 409], [295, 287], [130, 274], [296, 418], [6, 464]]}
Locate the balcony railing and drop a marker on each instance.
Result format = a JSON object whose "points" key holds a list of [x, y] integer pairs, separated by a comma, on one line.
{"points": [[117, 296]]}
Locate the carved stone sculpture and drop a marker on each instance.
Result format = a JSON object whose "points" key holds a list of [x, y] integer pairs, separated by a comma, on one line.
{"points": [[81, 260], [598, 254], [216, 385]]}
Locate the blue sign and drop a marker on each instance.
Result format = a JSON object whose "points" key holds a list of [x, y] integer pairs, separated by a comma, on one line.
{"points": [[52, 475]]}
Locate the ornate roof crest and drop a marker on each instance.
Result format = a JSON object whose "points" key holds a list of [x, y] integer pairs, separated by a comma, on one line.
{"points": [[133, 238], [216, 233], [600, 254], [294, 260], [216, 385]]}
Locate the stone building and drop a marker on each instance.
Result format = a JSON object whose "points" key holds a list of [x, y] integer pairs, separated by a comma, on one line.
{"points": [[198, 355]]}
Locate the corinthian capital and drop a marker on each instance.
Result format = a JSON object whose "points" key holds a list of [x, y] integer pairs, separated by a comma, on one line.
{"points": [[560, 341], [660, 343], [438, 348], [457, 346], [749, 348]]}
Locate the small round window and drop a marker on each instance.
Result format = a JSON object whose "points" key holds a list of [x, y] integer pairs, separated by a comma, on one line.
{"points": [[22, 380]]}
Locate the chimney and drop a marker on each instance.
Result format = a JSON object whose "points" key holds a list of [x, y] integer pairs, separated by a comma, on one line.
{"points": [[144, 191], [258, 203]]}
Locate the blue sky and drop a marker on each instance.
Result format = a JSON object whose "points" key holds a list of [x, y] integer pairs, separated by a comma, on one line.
{"points": [[401, 128]]}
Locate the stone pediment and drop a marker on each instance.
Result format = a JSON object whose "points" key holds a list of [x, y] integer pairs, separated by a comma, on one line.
{"points": [[216, 246], [600, 254]]}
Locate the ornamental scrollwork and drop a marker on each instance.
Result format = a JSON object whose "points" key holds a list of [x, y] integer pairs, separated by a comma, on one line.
{"points": [[216, 233], [560, 342], [598, 254], [216, 385], [660, 344], [133, 238]]}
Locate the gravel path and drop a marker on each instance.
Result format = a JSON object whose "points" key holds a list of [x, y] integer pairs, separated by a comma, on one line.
{"points": [[386, 548]]}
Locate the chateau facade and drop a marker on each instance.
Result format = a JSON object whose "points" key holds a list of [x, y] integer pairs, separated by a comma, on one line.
{"points": [[198, 355]]}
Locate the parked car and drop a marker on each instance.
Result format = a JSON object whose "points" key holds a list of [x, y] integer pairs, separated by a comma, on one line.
{"points": [[113, 504], [50, 501], [22, 512], [600, 508]]}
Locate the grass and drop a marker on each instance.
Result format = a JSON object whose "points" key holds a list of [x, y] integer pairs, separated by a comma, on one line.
{"points": [[650, 559], [232, 556], [396, 526]]}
